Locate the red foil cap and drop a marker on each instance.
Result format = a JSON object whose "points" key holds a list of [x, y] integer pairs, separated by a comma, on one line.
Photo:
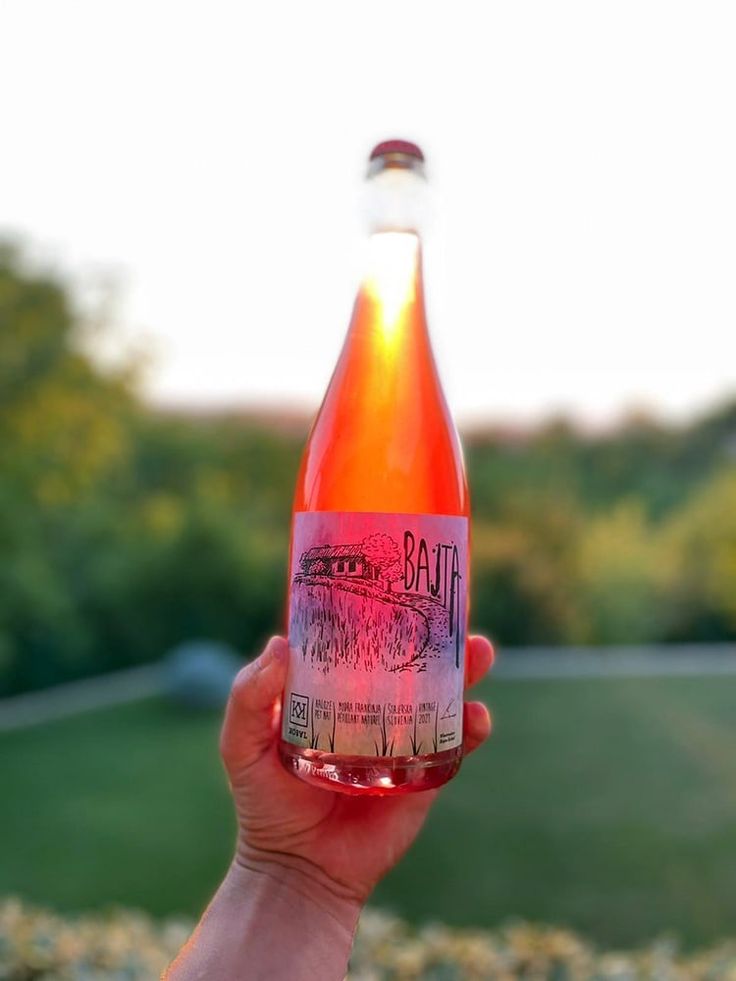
{"points": [[396, 146]]}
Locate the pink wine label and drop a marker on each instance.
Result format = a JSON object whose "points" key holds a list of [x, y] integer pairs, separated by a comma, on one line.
{"points": [[377, 624]]}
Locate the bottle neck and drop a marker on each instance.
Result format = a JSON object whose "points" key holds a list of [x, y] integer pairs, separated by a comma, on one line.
{"points": [[397, 199], [386, 364], [392, 281]]}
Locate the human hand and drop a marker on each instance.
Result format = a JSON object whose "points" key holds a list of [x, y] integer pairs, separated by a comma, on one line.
{"points": [[338, 845], [306, 858]]}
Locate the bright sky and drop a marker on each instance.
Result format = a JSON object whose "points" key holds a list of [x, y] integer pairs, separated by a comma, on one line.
{"points": [[209, 155]]}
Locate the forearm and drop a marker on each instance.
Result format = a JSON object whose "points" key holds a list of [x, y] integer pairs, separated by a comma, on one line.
{"points": [[267, 922]]}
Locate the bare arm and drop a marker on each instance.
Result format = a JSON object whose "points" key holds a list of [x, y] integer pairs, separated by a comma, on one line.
{"points": [[270, 924]]}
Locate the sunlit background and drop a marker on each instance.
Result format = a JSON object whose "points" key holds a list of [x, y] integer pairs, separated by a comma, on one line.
{"points": [[206, 160], [180, 212]]}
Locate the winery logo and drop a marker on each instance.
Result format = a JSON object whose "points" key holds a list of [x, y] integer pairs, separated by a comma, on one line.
{"points": [[298, 709], [377, 605]]}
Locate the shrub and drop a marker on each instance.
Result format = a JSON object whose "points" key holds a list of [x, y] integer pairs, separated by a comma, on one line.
{"points": [[128, 946]]}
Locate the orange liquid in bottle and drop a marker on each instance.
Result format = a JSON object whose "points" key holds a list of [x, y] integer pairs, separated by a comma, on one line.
{"points": [[383, 444]]}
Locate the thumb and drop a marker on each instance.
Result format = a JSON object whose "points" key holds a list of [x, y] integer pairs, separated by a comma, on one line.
{"points": [[247, 731]]}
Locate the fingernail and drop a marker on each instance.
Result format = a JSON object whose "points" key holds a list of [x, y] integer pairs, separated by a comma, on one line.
{"points": [[267, 656], [279, 649]]}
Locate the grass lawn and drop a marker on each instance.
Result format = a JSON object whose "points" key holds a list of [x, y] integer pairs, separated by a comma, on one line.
{"points": [[608, 805]]}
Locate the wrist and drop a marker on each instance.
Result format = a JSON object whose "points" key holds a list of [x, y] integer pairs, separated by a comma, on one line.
{"points": [[297, 882], [270, 919]]}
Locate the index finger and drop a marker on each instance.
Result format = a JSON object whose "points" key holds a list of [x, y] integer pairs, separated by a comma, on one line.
{"points": [[479, 659]]}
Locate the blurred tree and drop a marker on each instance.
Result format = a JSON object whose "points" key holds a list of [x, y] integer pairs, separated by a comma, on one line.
{"points": [[623, 570], [703, 538], [63, 433], [62, 421], [522, 582]]}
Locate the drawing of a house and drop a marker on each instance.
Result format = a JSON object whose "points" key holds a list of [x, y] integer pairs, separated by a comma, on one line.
{"points": [[338, 561]]}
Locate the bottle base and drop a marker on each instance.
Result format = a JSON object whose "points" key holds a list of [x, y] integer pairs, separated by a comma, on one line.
{"points": [[377, 776]]}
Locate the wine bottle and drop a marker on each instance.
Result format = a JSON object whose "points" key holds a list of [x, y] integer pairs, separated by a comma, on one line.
{"points": [[378, 572]]}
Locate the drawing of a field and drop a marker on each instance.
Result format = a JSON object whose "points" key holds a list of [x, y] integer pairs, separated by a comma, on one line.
{"points": [[334, 626]]}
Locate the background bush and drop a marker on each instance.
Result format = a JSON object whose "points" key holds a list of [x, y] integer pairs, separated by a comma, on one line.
{"points": [[128, 946]]}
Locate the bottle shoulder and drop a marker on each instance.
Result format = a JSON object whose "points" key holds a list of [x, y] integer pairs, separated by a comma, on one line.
{"points": [[364, 464]]}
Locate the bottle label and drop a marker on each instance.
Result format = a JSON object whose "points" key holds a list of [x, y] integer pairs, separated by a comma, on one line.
{"points": [[377, 625]]}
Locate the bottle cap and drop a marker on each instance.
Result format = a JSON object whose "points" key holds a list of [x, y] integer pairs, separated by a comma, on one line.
{"points": [[393, 155], [397, 146]]}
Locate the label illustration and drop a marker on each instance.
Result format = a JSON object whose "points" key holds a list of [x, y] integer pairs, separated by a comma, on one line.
{"points": [[377, 624]]}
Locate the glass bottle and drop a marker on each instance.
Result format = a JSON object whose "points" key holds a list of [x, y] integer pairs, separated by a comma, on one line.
{"points": [[378, 580]]}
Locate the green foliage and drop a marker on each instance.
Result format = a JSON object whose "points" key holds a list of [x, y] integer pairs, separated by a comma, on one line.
{"points": [[124, 530], [703, 540], [622, 573]]}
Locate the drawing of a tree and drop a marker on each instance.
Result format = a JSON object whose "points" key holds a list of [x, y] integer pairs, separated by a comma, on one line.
{"points": [[393, 574], [383, 553]]}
